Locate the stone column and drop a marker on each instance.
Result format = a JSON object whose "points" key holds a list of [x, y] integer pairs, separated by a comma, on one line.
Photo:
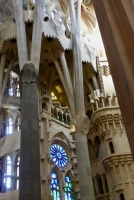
{"points": [[79, 118], [80, 127], [115, 18], [29, 154]]}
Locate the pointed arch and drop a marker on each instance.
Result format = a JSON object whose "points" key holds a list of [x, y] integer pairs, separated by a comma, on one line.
{"points": [[61, 137], [44, 106], [58, 172], [69, 173], [56, 183]]}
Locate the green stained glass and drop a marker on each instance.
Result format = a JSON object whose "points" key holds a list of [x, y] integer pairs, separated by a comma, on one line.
{"points": [[68, 189]]}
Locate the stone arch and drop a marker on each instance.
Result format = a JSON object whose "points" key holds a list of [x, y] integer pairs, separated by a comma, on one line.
{"points": [[61, 138], [58, 172], [96, 136], [60, 178], [69, 173], [94, 148], [44, 106]]}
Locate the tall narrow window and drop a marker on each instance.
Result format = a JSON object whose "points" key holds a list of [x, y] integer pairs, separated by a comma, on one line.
{"points": [[122, 197], [17, 123], [94, 186], [68, 189], [55, 189], [111, 147], [100, 185], [44, 89], [11, 87], [17, 172], [9, 128], [7, 175], [105, 183], [18, 90], [98, 147]]}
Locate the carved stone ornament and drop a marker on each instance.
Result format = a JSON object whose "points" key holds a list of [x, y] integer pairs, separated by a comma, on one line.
{"points": [[86, 1], [29, 73], [80, 124]]}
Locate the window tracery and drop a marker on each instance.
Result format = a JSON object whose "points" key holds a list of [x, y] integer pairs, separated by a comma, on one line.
{"points": [[59, 155], [55, 188], [7, 175], [68, 189]]}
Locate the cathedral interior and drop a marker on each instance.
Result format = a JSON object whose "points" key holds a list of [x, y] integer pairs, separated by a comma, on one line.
{"points": [[64, 129]]}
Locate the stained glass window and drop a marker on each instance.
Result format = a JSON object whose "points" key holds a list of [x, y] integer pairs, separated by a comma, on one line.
{"points": [[17, 172], [55, 189], [9, 128], [7, 175], [68, 189], [58, 155]]}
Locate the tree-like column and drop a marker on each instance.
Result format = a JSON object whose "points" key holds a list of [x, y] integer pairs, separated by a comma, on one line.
{"points": [[80, 122]]}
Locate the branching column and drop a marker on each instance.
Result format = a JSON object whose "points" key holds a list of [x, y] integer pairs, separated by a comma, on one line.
{"points": [[80, 122], [30, 154]]}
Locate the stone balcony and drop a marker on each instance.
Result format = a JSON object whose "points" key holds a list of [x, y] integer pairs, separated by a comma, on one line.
{"points": [[11, 101]]}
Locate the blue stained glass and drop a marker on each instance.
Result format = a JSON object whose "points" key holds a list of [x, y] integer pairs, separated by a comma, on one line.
{"points": [[68, 189], [58, 155], [55, 191]]}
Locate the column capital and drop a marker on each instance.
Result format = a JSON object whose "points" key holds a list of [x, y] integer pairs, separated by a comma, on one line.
{"points": [[29, 74], [80, 124]]}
